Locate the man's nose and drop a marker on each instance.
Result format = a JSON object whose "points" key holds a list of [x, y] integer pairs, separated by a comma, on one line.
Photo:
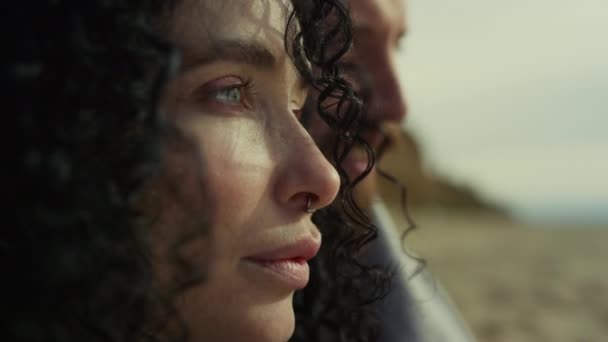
{"points": [[387, 99]]}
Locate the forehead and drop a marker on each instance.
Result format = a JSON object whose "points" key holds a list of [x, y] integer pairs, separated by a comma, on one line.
{"points": [[196, 25], [379, 13]]}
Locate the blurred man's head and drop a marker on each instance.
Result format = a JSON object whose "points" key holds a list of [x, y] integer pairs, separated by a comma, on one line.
{"points": [[379, 26]]}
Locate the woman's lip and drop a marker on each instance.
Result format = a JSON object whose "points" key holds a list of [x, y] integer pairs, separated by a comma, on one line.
{"points": [[304, 249], [292, 272], [286, 264]]}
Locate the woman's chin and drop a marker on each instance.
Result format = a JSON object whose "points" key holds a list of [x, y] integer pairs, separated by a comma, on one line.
{"points": [[274, 323], [262, 322]]}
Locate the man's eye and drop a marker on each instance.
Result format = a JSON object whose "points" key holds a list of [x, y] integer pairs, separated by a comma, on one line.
{"points": [[230, 95]]}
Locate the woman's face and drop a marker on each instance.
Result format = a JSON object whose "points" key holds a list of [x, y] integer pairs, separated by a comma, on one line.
{"points": [[245, 169]]}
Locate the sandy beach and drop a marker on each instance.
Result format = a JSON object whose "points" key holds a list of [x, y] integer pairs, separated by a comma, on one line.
{"points": [[519, 282]]}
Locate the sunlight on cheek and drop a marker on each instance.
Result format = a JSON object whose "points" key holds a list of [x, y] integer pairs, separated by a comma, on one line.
{"points": [[235, 156], [233, 144]]}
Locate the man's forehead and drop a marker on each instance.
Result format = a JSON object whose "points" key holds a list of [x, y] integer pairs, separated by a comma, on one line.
{"points": [[370, 14]]}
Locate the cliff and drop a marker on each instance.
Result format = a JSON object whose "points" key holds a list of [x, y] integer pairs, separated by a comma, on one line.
{"points": [[425, 189]]}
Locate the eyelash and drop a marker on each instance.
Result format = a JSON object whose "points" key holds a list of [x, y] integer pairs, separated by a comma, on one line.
{"points": [[248, 93], [246, 88]]}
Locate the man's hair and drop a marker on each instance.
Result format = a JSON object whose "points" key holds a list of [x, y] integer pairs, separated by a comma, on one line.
{"points": [[83, 80]]}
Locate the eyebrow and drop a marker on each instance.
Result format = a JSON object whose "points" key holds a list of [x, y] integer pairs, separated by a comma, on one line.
{"points": [[238, 51]]}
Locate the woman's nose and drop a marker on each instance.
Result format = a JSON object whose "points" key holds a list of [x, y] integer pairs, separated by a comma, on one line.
{"points": [[306, 179]]}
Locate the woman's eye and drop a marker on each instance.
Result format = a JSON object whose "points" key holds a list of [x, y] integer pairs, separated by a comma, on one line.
{"points": [[229, 95]]}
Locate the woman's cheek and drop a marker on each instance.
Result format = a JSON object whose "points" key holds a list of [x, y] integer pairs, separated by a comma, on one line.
{"points": [[238, 168]]}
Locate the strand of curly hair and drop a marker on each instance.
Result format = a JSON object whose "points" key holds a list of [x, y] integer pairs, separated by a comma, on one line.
{"points": [[335, 306]]}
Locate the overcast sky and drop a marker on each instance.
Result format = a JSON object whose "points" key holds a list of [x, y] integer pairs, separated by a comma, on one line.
{"points": [[512, 97]]}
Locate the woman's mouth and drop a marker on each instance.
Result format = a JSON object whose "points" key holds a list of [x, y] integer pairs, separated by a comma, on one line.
{"points": [[294, 273], [287, 264]]}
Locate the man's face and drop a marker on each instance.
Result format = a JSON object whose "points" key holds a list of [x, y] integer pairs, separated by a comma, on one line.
{"points": [[378, 28]]}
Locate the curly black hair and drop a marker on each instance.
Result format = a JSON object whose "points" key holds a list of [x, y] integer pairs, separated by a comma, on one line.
{"points": [[83, 80], [336, 304]]}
